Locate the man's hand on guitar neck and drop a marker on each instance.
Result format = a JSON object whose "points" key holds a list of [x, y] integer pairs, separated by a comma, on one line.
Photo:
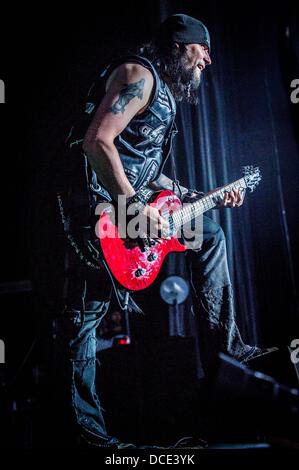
{"points": [[234, 198]]}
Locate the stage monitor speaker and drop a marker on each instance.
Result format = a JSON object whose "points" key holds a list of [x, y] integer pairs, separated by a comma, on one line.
{"points": [[277, 364], [248, 399]]}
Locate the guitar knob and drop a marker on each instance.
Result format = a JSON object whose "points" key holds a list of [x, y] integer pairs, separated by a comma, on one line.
{"points": [[152, 257], [140, 272]]}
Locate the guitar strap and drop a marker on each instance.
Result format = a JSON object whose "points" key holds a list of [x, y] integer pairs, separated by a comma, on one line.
{"points": [[175, 181]]}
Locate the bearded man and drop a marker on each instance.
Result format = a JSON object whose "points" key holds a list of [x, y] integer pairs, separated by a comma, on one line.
{"points": [[122, 142]]}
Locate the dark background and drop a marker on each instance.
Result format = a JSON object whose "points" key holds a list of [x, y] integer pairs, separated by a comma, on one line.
{"points": [[50, 56]]}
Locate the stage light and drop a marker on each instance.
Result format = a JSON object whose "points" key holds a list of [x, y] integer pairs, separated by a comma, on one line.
{"points": [[121, 340], [174, 290]]}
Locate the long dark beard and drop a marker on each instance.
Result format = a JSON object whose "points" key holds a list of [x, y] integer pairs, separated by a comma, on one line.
{"points": [[181, 80], [172, 62]]}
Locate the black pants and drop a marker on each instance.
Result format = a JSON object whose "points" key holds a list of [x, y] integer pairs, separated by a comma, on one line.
{"points": [[88, 301]]}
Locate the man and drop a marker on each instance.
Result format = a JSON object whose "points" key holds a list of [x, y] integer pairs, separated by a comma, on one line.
{"points": [[127, 132]]}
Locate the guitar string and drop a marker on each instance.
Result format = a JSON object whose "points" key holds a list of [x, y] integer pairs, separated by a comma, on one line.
{"points": [[186, 214]]}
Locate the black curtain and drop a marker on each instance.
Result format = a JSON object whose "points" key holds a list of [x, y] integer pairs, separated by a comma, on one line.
{"points": [[245, 116]]}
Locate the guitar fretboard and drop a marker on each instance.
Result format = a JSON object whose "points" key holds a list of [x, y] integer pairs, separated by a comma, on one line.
{"points": [[190, 211]]}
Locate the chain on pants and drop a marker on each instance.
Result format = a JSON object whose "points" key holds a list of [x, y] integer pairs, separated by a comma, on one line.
{"points": [[213, 298]]}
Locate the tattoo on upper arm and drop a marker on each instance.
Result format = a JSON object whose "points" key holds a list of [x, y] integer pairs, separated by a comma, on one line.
{"points": [[126, 95]]}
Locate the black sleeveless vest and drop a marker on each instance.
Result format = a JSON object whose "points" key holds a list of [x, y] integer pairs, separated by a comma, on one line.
{"points": [[144, 144]]}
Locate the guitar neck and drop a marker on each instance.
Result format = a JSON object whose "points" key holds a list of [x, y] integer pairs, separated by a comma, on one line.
{"points": [[190, 211]]}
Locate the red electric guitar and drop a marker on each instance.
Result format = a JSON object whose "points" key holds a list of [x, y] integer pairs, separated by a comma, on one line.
{"points": [[136, 267]]}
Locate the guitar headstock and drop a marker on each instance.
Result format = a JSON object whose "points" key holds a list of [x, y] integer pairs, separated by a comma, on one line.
{"points": [[252, 176]]}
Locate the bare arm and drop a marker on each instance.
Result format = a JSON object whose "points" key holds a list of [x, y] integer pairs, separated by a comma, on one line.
{"points": [[128, 92]]}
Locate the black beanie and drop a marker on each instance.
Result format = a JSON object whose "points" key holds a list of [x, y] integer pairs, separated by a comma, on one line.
{"points": [[184, 29]]}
